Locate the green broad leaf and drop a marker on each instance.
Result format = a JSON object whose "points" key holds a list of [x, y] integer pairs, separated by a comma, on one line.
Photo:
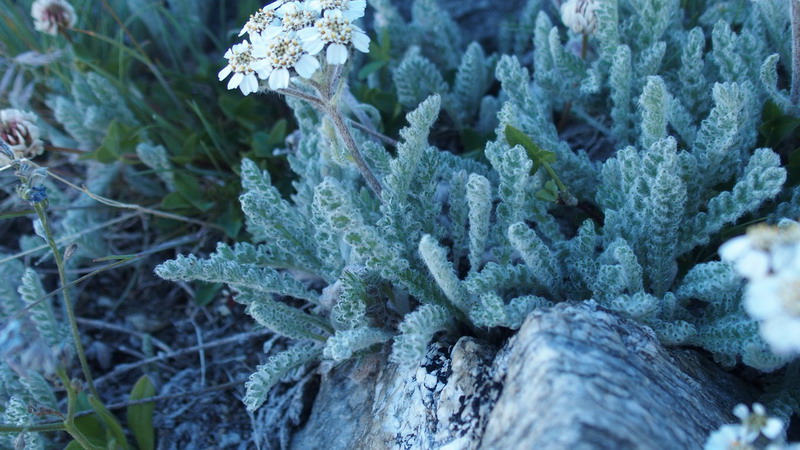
{"points": [[231, 220], [189, 188], [175, 201], [140, 417], [120, 140], [385, 102], [370, 68], [73, 445], [776, 126], [205, 293], [277, 135], [539, 156], [188, 149], [548, 193], [259, 143], [111, 422], [89, 425], [243, 110]]}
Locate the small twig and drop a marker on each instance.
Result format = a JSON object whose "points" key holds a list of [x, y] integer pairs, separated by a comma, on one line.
{"points": [[122, 368], [292, 92], [377, 135], [119, 329], [143, 209], [70, 237], [201, 352]]}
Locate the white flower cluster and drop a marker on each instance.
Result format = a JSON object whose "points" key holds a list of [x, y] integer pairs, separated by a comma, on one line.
{"points": [[769, 258], [19, 132], [745, 436], [49, 16], [285, 37], [580, 15]]}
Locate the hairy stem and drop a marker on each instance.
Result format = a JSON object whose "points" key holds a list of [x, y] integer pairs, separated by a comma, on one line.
{"points": [[73, 324], [69, 421], [350, 143]]}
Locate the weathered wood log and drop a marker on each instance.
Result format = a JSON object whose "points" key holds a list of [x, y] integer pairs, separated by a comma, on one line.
{"points": [[574, 376]]}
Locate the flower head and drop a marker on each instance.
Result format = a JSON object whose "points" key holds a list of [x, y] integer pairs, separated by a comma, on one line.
{"points": [[50, 16], [296, 16], [261, 21], [775, 302], [757, 422], [763, 250], [580, 16], [728, 437], [350, 9], [335, 31], [245, 66], [282, 54], [769, 257], [18, 131]]}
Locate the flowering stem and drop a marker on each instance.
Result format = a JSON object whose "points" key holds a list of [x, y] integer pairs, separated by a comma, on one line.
{"points": [[40, 211], [795, 88], [350, 143], [326, 103], [58, 426], [69, 421]]}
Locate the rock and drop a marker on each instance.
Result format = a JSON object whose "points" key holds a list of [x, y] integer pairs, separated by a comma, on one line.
{"points": [[574, 376]]}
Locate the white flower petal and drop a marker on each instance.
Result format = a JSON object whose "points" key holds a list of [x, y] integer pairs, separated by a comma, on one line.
{"points": [[236, 79], [306, 66], [271, 32], [337, 54], [250, 84], [782, 334], [741, 411], [761, 301], [773, 428], [725, 438], [753, 265], [314, 45], [308, 33], [360, 41], [224, 72], [735, 248], [279, 79]]}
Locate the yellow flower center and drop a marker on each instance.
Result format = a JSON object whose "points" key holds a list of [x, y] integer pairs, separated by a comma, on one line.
{"points": [[297, 20], [334, 29], [260, 20], [241, 59], [284, 51]]}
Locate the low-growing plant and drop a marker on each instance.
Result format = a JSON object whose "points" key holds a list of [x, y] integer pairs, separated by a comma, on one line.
{"points": [[375, 247]]}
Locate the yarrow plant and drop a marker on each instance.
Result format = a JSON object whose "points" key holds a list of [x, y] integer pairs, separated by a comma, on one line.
{"points": [[451, 244], [768, 257], [19, 131], [285, 37], [52, 16]]}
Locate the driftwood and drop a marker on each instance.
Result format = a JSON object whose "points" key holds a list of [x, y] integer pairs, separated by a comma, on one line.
{"points": [[574, 376]]}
